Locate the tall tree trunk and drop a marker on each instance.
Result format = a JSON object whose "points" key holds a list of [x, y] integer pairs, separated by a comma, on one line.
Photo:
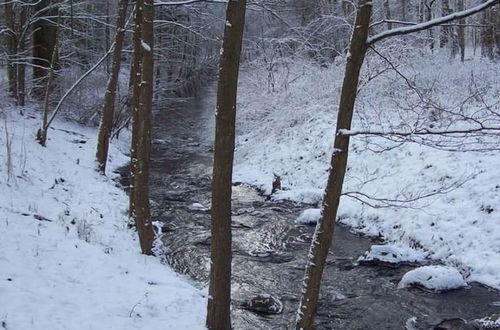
{"points": [[323, 234], [404, 9], [144, 116], [461, 31], [21, 66], [487, 34], [218, 316], [388, 16], [135, 82], [109, 98], [11, 42], [428, 17], [445, 30], [44, 40], [41, 135]]}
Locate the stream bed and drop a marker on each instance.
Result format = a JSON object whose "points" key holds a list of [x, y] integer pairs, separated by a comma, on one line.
{"points": [[270, 248]]}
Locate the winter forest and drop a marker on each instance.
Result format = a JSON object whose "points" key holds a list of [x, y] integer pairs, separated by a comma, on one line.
{"points": [[260, 164]]}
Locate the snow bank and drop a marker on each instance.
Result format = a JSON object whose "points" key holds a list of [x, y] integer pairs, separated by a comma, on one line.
{"points": [[67, 258], [393, 253], [437, 278], [309, 216], [290, 131]]}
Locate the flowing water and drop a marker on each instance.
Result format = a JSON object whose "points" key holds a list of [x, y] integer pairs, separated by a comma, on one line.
{"points": [[269, 248]]}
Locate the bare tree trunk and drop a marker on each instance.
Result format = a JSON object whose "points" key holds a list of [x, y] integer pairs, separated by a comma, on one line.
{"points": [[41, 135], [487, 34], [218, 315], [21, 67], [388, 16], [445, 30], [461, 31], [323, 234], [109, 98], [11, 41], [141, 179], [44, 40], [404, 9], [428, 17], [135, 79]]}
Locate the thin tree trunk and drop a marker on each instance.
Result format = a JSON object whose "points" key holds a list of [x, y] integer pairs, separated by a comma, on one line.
{"points": [[461, 31], [445, 30], [218, 315], [135, 79], [388, 16], [428, 17], [11, 41], [141, 180], [109, 98], [41, 135], [323, 234], [21, 67], [44, 40]]}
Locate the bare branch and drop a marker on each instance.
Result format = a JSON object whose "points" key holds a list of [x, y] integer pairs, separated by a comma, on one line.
{"points": [[432, 23]]}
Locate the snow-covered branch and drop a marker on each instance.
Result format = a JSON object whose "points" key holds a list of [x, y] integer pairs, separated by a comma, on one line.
{"points": [[423, 131], [434, 22]]}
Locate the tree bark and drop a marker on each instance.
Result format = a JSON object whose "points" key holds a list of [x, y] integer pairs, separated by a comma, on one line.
{"points": [[41, 134], [110, 95], [323, 234], [461, 31], [10, 42], [135, 79], [388, 16], [218, 312], [44, 40], [445, 30], [144, 116], [21, 66]]}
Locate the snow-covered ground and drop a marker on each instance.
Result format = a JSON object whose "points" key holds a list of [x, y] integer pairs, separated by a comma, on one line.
{"points": [[287, 129], [67, 257]]}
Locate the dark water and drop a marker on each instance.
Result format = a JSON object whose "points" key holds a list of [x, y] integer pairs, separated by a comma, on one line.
{"points": [[270, 249]]}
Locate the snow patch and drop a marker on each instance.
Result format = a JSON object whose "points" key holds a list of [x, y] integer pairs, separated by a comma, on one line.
{"points": [[309, 216], [436, 278], [393, 253]]}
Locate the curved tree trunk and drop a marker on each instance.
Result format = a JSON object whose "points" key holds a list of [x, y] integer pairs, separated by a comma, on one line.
{"points": [[219, 303], [323, 234], [109, 98]]}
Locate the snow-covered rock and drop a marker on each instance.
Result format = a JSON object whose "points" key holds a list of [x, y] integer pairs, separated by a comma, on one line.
{"points": [[436, 278], [309, 216], [392, 254]]}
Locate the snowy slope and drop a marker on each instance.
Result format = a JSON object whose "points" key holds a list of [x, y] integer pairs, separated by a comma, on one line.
{"points": [[289, 132], [67, 259]]}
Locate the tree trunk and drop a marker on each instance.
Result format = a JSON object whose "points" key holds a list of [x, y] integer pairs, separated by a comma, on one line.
{"points": [[135, 80], [428, 17], [21, 66], [41, 135], [109, 98], [461, 31], [445, 30], [218, 316], [487, 34], [323, 234], [44, 40], [141, 180], [11, 41], [388, 16]]}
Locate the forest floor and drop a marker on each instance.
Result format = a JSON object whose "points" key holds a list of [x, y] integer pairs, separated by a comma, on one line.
{"points": [[68, 259]]}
